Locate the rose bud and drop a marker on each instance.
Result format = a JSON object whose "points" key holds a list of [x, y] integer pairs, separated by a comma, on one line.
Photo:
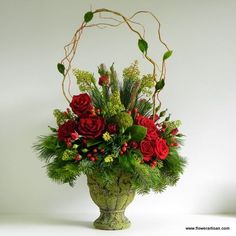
{"points": [[174, 131], [133, 144], [124, 149], [104, 80], [154, 163], [74, 135], [112, 128], [77, 157], [98, 111]]}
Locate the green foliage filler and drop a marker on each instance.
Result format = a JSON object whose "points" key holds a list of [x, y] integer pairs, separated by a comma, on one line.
{"points": [[123, 120]]}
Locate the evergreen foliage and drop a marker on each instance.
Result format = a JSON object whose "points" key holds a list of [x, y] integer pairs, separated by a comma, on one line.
{"points": [[119, 151]]}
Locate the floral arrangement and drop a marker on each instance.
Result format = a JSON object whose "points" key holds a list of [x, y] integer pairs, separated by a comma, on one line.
{"points": [[114, 124]]}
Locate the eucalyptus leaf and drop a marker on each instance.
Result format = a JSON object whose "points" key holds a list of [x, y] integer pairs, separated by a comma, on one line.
{"points": [[52, 129], [167, 55], [92, 142], [61, 68], [88, 16], [160, 84], [143, 45]]}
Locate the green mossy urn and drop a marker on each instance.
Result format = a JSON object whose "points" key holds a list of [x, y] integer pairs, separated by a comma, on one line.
{"points": [[112, 199]]}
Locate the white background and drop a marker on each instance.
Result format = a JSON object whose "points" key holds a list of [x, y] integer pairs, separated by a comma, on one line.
{"points": [[200, 90]]}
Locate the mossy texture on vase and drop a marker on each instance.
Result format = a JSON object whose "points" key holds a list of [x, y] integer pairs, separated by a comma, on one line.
{"points": [[112, 199]]}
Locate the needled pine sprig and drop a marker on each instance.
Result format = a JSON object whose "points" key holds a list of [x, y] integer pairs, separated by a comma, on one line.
{"points": [[173, 167], [67, 172], [48, 147]]}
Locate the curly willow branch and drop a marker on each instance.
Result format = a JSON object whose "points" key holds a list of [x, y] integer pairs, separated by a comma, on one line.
{"points": [[71, 48]]}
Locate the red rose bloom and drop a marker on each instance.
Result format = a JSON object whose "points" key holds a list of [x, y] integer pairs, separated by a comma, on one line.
{"points": [[146, 149], [146, 122], [112, 128], [161, 149], [91, 126], [64, 132], [81, 104], [103, 80], [152, 135]]}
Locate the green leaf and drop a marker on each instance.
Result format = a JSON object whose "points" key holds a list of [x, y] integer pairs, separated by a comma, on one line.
{"points": [[167, 55], [143, 45], [84, 150], [137, 132], [92, 142], [163, 113], [61, 68], [88, 16], [52, 129], [160, 84], [158, 108]]}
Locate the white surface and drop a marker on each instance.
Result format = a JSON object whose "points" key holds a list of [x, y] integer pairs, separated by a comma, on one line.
{"points": [[29, 225], [200, 90]]}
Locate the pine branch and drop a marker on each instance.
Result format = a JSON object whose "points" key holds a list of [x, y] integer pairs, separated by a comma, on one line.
{"points": [[48, 147], [144, 107]]}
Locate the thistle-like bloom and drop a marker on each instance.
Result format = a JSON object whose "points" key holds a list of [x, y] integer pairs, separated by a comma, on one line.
{"points": [[108, 159], [106, 136]]}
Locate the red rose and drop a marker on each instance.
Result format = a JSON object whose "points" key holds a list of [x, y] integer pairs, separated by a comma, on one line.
{"points": [[146, 149], [64, 132], [104, 80], [161, 149], [152, 135], [91, 126], [81, 104], [146, 122], [112, 128]]}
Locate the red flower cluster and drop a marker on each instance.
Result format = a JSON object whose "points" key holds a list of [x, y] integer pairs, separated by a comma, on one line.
{"points": [[153, 146], [68, 132], [88, 125], [91, 125]]}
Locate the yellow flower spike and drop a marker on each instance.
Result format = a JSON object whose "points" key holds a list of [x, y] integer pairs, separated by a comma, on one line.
{"points": [[106, 136], [108, 159]]}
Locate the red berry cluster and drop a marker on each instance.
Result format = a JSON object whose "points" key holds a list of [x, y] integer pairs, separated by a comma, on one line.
{"points": [[132, 144], [123, 148]]}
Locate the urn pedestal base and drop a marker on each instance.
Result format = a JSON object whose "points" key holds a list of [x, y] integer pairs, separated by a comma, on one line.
{"points": [[112, 200], [112, 220]]}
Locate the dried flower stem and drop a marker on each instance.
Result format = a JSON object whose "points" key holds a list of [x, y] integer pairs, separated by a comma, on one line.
{"points": [[71, 48]]}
